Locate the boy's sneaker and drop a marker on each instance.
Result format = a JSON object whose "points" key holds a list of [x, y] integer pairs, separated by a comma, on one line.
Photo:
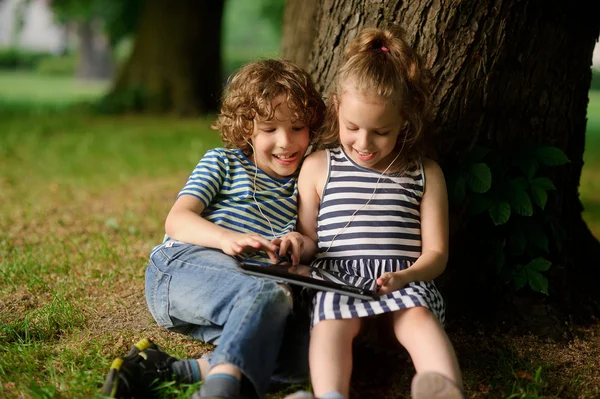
{"points": [[137, 374]]}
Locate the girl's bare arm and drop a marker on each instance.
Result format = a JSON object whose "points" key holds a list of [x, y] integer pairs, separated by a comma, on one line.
{"points": [[434, 233], [310, 186]]}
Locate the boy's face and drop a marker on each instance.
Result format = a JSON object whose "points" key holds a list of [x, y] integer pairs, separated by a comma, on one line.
{"points": [[279, 144]]}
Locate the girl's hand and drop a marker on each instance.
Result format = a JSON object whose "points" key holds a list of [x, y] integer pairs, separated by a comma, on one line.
{"points": [[390, 282], [236, 243], [292, 243]]}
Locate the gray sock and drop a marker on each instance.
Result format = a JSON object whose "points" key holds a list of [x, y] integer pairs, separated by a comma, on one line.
{"points": [[221, 385], [187, 370]]}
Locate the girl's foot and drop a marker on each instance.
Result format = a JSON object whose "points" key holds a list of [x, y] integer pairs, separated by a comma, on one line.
{"points": [[432, 385]]}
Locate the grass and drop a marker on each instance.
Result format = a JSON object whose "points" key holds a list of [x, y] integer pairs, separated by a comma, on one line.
{"points": [[29, 88], [82, 202], [589, 185]]}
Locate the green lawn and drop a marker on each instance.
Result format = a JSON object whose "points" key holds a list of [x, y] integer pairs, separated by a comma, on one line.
{"points": [[589, 185], [30, 88], [83, 200]]}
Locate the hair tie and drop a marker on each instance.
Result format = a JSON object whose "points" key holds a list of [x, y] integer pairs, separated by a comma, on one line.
{"points": [[385, 49]]}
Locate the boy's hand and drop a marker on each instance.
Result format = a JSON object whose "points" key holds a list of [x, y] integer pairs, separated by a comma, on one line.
{"points": [[390, 282], [291, 243], [236, 243]]}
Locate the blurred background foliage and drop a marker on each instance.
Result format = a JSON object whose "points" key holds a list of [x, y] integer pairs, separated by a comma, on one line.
{"points": [[251, 29]]}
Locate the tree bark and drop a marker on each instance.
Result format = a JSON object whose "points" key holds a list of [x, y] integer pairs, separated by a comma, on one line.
{"points": [[176, 61], [299, 30], [505, 72]]}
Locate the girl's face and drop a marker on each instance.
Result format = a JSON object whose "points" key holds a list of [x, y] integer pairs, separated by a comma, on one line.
{"points": [[369, 129], [279, 144]]}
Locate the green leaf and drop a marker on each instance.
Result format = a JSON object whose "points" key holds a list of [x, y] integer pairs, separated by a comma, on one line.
{"points": [[479, 203], [543, 182], [519, 199], [476, 154], [520, 279], [539, 264], [550, 156], [516, 242], [500, 212], [479, 178], [528, 166], [539, 196], [537, 281]]}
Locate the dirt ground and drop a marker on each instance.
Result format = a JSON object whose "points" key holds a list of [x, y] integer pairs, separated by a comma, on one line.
{"points": [[494, 364]]}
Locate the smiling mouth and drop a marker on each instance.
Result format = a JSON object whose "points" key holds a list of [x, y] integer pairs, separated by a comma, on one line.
{"points": [[286, 159], [285, 156], [364, 156]]}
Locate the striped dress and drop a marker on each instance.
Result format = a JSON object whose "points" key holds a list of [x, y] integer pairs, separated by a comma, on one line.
{"points": [[384, 236]]}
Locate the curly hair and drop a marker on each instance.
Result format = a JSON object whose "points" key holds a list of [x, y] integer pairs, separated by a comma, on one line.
{"points": [[380, 62], [250, 92]]}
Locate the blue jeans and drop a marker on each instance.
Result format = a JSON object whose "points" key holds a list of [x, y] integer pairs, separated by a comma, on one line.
{"points": [[201, 292]]}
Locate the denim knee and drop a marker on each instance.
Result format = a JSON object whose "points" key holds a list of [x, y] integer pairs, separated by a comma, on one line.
{"points": [[278, 296]]}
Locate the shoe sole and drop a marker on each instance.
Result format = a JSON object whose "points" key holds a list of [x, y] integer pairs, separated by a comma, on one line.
{"points": [[111, 384], [432, 385]]}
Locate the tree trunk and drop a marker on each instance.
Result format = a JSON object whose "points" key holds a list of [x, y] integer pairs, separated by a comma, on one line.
{"points": [[299, 30], [176, 61], [506, 72], [95, 60]]}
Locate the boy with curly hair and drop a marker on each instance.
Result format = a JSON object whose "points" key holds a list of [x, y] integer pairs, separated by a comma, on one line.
{"points": [[239, 205]]}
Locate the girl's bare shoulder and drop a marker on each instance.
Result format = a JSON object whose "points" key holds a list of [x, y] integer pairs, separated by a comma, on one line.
{"points": [[432, 168], [316, 160]]}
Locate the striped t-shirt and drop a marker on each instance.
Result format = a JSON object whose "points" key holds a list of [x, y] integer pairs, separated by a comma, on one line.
{"points": [[224, 181], [388, 227]]}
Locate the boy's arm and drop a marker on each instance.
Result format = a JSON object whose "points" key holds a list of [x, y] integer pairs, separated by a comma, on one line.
{"points": [[310, 186], [434, 233], [185, 224]]}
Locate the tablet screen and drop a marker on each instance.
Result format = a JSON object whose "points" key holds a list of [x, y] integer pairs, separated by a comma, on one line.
{"points": [[368, 284], [325, 280]]}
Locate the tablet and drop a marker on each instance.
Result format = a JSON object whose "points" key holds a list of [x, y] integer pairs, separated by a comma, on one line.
{"points": [[319, 279]]}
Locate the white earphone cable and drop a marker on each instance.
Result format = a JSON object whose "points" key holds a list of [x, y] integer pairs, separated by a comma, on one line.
{"points": [[254, 190]]}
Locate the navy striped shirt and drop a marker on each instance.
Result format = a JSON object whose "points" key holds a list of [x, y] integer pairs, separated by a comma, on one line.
{"points": [[224, 181]]}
